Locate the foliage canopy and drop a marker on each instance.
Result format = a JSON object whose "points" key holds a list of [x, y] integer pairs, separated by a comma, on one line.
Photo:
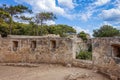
{"points": [[82, 35], [106, 31]]}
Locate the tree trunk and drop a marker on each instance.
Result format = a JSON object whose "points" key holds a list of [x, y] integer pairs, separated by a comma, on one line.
{"points": [[37, 30], [41, 27], [34, 31], [10, 27]]}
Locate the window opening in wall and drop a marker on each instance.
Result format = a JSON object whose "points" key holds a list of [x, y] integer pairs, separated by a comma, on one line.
{"points": [[15, 45], [33, 45], [116, 50], [83, 51], [53, 44]]}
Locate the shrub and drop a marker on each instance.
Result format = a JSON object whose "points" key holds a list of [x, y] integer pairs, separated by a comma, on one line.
{"points": [[84, 55], [82, 35]]}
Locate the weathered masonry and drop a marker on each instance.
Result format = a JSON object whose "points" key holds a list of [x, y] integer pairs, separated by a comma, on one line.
{"points": [[106, 56], [36, 49], [54, 49]]}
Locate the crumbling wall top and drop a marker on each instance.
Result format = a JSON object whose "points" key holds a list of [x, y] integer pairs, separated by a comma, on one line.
{"points": [[25, 36], [100, 38]]}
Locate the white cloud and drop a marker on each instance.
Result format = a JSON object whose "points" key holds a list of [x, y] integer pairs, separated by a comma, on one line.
{"points": [[65, 8], [111, 15], [117, 3], [66, 3], [87, 12], [79, 29], [50, 6], [86, 16], [91, 9], [101, 2], [50, 22], [44, 5], [118, 27], [106, 23]]}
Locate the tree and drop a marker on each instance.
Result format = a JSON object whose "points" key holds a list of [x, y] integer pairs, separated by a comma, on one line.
{"points": [[62, 30], [4, 29], [34, 27], [13, 11], [106, 31], [82, 35], [4, 16], [44, 16]]}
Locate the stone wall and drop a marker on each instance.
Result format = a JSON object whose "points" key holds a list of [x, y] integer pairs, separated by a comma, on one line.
{"points": [[48, 49], [104, 56], [83, 63], [36, 49]]}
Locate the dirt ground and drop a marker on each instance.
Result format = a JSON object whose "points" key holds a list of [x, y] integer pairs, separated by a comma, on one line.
{"points": [[45, 72]]}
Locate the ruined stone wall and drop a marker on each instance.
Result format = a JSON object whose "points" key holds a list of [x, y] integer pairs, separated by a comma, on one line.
{"points": [[83, 63], [48, 49], [104, 58], [36, 49]]}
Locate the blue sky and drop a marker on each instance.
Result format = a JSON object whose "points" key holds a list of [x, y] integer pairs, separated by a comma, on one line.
{"points": [[83, 15]]}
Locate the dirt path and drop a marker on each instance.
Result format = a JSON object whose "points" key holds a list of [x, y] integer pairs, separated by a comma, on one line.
{"points": [[44, 72]]}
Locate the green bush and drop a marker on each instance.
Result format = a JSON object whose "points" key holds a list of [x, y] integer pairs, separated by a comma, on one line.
{"points": [[84, 55], [82, 35], [106, 31]]}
